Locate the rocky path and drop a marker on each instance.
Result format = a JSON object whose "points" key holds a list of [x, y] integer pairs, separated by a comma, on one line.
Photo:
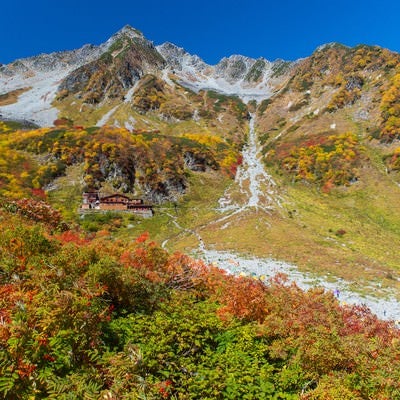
{"points": [[258, 192], [257, 188], [386, 307]]}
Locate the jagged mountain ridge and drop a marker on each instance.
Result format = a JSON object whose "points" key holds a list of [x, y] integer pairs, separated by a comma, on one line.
{"points": [[127, 58], [62, 59], [238, 75], [96, 77], [113, 68]]}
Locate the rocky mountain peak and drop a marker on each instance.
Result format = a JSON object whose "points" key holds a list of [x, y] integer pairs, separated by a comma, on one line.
{"points": [[330, 45], [179, 59], [234, 67], [128, 31], [44, 63], [126, 57], [124, 38], [170, 50]]}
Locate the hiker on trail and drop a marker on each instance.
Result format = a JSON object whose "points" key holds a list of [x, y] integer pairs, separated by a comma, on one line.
{"points": [[336, 293]]}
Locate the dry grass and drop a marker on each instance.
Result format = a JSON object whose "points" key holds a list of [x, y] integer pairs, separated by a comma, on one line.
{"points": [[12, 97], [351, 233]]}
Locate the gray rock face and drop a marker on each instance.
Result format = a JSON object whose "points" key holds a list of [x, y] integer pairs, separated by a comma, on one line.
{"points": [[77, 79], [233, 68], [257, 70], [179, 59], [354, 82], [52, 62], [14, 68], [238, 75], [168, 190], [195, 162], [126, 31]]}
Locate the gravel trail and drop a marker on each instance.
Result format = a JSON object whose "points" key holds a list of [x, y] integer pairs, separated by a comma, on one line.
{"points": [[387, 307]]}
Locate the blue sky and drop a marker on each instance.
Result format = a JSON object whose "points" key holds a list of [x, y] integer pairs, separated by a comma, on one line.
{"points": [[212, 29]]}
